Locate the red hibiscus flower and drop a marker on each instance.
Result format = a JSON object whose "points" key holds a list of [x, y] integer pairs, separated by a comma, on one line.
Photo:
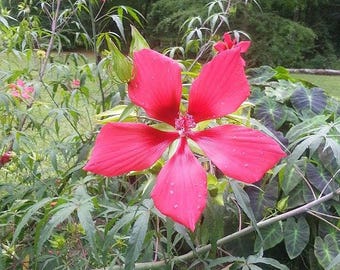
{"points": [[229, 43], [180, 191]]}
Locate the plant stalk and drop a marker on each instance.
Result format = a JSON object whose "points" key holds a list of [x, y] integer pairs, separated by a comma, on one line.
{"points": [[185, 257]]}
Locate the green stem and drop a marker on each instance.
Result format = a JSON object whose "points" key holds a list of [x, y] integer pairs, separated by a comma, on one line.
{"points": [[185, 257]]}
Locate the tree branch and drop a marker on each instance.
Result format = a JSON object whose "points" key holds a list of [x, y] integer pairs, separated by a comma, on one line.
{"points": [[231, 237]]}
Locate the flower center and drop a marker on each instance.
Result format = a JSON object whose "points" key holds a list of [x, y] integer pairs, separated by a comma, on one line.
{"points": [[184, 123]]}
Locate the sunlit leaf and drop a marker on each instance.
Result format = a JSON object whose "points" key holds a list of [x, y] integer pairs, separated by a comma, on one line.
{"points": [[292, 176]]}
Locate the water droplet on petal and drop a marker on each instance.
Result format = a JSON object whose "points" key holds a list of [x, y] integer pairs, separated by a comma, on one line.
{"points": [[171, 192], [243, 153], [233, 150], [175, 205], [199, 196], [246, 165], [172, 184]]}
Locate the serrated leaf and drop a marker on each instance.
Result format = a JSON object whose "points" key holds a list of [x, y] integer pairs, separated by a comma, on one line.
{"points": [[62, 212], [84, 215], [31, 211], [136, 240], [314, 100], [326, 250], [272, 235], [306, 127], [296, 236]]}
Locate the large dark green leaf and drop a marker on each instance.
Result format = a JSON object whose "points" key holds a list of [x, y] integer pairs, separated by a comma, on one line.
{"points": [[313, 100], [320, 178], [272, 235], [296, 236], [271, 113], [326, 250], [263, 199]]}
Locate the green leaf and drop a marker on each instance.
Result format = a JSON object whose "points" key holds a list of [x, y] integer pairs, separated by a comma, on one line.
{"points": [[243, 200], [261, 74], [136, 240], [272, 235], [272, 262], [313, 100], [271, 113], [292, 176], [138, 42], [334, 262], [296, 236], [31, 211], [306, 127], [326, 250], [84, 215], [119, 23], [320, 179], [62, 212], [263, 199]]}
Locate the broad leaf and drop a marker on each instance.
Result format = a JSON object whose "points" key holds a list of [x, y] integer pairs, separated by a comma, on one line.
{"points": [[263, 199], [272, 235], [313, 100], [320, 179], [296, 236], [136, 240], [326, 250], [270, 113], [260, 75]]}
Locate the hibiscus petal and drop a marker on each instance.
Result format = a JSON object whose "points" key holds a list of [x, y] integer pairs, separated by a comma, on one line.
{"points": [[220, 88], [242, 153], [156, 85], [181, 189], [125, 147]]}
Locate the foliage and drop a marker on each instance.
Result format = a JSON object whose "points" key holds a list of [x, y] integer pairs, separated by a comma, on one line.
{"points": [[53, 215]]}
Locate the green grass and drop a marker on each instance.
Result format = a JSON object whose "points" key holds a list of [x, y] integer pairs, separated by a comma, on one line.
{"points": [[331, 84]]}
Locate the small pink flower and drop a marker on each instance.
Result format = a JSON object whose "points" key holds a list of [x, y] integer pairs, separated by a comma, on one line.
{"points": [[239, 152], [20, 90], [229, 43], [75, 83]]}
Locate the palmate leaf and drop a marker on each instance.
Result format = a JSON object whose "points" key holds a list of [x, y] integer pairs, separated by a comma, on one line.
{"points": [[62, 212], [296, 236], [306, 127], [326, 250], [312, 100], [136, 240]]}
